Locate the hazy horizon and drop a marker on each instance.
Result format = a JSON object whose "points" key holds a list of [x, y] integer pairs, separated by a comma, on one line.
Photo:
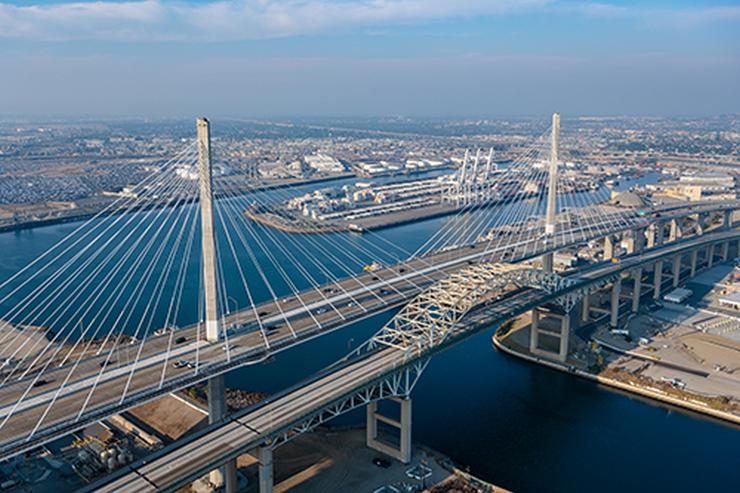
{"points": [[368, 58]]}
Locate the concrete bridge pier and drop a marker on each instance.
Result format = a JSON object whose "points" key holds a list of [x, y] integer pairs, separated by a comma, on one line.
{"points": [[676, 270], [534, 331], [710, 255], [725, 251], [694, 255], [563, 335], [585, 307], [403, 425], [217, 410], [651, 234], [608, 247], [614, 305], [700, 220], [548, 262], [727, 219], [266, 474], [657, 279], [637, 285], [655, 234], [675, 233], [637, 241]]}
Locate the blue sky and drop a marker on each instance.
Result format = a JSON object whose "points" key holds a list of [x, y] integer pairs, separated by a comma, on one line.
{"points": [[275, 58]]}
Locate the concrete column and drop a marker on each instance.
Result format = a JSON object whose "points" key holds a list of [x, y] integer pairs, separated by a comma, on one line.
{"points": [[266, 480], [638, 240], [548, 262], [403, 453], [371, 427], [534, 331], [216, 399], [585, 307], [676, 270], [207, 237], [675, 232], [652, 233], [657, 279], [660, 234], [608, 248], [637, 285], [564, 337], [710, 255], [217, 410], [614, 307], [700, 218], [230, 475], [725, 251], [727, 219], [405, 429], [694, 255]]}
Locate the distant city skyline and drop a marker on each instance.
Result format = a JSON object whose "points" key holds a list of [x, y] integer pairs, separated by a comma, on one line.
{"points": [[419, 58]]}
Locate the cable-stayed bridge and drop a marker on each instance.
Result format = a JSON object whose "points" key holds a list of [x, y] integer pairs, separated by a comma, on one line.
{"points": [[173, 285]]}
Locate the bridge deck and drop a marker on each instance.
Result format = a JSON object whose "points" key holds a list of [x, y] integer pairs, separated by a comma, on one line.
{"points": [[196, 456], [372, 292]]}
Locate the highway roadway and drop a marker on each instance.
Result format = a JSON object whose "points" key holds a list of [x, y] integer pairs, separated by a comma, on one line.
{"points": [[293, 319], [185, 461]]}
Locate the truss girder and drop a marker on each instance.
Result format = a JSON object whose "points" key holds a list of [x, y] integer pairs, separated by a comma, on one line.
{"points": [[430, 317], [397, 384]]}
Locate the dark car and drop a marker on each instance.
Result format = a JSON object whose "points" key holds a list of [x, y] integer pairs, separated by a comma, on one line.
{"points": [[273, 329], [39, 383], [180, 340], [380, 462]]}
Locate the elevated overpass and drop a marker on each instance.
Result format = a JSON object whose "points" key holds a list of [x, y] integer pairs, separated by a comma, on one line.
{"points": [[310, 314], [388, 366]]}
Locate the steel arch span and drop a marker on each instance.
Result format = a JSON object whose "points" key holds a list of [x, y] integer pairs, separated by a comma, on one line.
{"points": [[434, 314]]}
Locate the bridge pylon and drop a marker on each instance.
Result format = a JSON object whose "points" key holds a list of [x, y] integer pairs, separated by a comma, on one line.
{"points": [[216, 389], [206, 224], [552, 192]]}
